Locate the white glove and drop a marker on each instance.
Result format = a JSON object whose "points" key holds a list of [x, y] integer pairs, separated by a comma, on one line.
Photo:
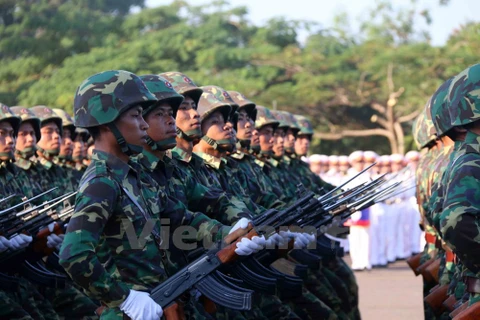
{"points": [[302, 240], [246, 247], [139, 306], [274, 240], [55, 241], [20, 241], [287, 235], [242, 223], [4, 244]]}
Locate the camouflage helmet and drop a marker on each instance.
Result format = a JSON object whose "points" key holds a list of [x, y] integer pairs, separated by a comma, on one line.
{"points": [[209, 104], [292, 122], [463, 98], [281, 118], [6, 114], [439, 109], [103, 97], [27, 115], [183, 85], [423, 129], [67, 121], [84, 134], [223, 96], [163, 91], [305, 125], [264, 118], [244, 103], [45, 114]]}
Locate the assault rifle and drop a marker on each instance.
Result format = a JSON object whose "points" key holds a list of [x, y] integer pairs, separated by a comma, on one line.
{"points": [[18, 205], [7, 198]]}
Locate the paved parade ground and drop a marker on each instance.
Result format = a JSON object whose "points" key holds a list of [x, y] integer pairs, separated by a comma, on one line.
{"points": [[391, 293]]}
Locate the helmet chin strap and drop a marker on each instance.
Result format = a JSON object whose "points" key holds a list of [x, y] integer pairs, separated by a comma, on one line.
{"points": [[266, 154], [26, 153], [244, 143], [224, 145], [289, 150], [127, 148], [190, 135], [49, 152], [163, 144], [255, 148], [8, 155]]}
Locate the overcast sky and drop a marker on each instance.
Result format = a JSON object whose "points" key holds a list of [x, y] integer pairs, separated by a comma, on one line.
{"points": [[445, 18]]}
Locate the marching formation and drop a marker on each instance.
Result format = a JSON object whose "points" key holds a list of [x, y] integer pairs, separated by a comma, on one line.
{"points": [[448, 185], [164, 199], [389, 230]]}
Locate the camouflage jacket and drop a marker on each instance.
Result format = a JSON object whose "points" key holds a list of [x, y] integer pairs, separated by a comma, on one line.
{"points": [[13, 180], [35, 172], [72, 176], [96, 252], [57, 175], [194, 168], [242, 167], [228, 182], [460, 223]]}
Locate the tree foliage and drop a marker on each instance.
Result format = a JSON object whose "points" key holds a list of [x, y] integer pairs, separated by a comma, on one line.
{"points": [[344, 81]]}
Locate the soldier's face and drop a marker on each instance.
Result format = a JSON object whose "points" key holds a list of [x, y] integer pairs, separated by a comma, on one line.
{"points": [[78, 147], [187, 116], [216, 128], [266, 138], [244, 126], [51, 138], [255, 141], [397, 166], [302, 144], [26, 137], [67, 144], [161, 123], [132, 126], [278, 141], [358, 164], [7, 139], [289, 141]]}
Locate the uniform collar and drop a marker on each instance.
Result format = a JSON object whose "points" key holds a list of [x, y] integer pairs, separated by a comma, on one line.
{"points": [[211, 161], [114, 164], [181, 155]]}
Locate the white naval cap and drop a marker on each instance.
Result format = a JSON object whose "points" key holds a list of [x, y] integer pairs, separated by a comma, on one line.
{"points": [[412, 155], [385, 159], [370, 156], [333, 159], [397, 158], [355, 156], [315, 158], [343, 160]]}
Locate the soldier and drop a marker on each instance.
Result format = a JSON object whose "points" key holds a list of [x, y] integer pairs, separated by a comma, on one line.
{"points": [[111, 184], [48, 147], [262, 190], [414, 233], [316, 163], [359, 223], [458, 219], [79, 150]]}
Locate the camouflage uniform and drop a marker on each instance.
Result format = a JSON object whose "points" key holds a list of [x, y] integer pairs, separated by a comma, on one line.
{"points": [[57, 175], [65, 161]]}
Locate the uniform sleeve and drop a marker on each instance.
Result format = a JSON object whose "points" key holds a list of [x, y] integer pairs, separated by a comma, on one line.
{"points": [[94, 206], [460, 218]]}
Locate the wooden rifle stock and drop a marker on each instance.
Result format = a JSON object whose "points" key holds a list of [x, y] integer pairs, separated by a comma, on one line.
{"points": [[421, 270], [449, 304], [228, 254], [458, 310], [40, 242], [414, 262], [174, 312], [436, 297], [433, 269], [469, 313]]}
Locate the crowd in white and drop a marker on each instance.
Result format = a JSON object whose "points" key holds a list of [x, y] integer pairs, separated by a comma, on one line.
{"points": [[389, 230]]}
